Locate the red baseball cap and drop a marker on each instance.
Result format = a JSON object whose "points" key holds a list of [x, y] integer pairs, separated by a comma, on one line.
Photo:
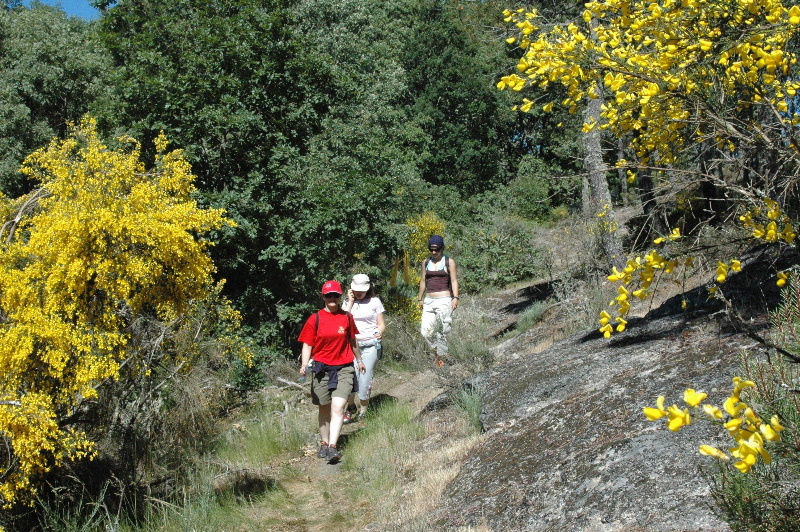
{"points": [[330, 287]]}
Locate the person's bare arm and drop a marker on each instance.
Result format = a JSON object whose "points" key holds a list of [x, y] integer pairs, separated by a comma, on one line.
{"points": [[453, 282], [304, 358], [421, 285], [357, 352]]}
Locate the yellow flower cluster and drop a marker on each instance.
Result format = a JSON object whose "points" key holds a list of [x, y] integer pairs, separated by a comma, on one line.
{"points": [[420, 229], [748, 431], [100, 242], [635, 280], [605, 222], [662, 64], [769, 223], [724, 268]]}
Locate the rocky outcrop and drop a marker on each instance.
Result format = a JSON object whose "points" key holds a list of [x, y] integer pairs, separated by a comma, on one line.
{"points": [[567, 446]]}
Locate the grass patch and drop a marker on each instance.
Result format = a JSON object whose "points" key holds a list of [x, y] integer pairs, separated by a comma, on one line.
{"points": [[427, 473], [377, 453], [84, 516], [468, 338], [403, 346], [273, 429], [528, 319], [203, 507], [469, 401], [532, 315]]}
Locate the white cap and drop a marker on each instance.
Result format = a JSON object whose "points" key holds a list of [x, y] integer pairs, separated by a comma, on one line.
{"points": [[360, 282]]}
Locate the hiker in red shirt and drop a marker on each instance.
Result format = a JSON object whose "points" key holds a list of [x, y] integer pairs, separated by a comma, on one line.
{"points": [[329, 335]]}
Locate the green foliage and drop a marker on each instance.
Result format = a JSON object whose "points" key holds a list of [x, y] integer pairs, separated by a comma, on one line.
{"points": [[308, 121], [766, 498], [493, 250], [229, 82], [52, 69], [764, 501], [538, 188], [253, 376], [470, 402], [452, 96], [278, 126]]}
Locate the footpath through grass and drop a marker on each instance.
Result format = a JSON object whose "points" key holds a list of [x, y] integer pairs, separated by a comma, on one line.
{"points": [[264, 473], [393, 472], [394, 469]]}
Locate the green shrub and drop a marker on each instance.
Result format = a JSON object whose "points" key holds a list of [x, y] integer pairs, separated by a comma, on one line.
{"points": [[494, 252], [538, 189], [470, 402], [768, 497]]}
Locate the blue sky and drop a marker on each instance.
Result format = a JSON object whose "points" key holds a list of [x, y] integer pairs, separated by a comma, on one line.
{"points": [[78, 8]]}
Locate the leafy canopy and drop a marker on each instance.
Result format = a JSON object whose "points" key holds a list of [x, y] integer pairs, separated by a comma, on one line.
{"points": [[676, 72]]}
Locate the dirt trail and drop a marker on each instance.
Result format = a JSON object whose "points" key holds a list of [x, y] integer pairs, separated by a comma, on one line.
{"points": [[315, 491], [314, 494]]}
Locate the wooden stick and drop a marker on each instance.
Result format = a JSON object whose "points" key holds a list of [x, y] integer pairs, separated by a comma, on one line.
{"points": [[290, 383]]}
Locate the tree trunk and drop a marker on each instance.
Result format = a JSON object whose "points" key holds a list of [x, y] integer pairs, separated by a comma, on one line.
{"points": [[621, 172], [599, 195]]}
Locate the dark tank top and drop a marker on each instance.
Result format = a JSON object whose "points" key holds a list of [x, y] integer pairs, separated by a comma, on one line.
{"points": [[437, 281]]}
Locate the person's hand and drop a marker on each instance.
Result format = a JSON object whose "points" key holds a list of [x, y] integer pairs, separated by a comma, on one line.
{"points": [[361, 367], [351, 295], [302, 369], [454, 303]]}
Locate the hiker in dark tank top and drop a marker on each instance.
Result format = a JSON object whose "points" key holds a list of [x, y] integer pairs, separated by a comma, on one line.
{"points": [[439, 286]]}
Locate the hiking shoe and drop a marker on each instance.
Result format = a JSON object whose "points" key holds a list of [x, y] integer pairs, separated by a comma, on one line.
{"points": [[347, 417], [438, 360], [333, 454], [323, 450]]}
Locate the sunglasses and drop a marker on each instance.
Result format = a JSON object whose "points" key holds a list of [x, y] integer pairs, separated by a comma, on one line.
{"points": [[434, 248], [331, 296]]}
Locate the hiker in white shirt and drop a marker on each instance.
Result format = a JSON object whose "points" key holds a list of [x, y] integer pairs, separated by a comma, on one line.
{"points": [[367, 310]]}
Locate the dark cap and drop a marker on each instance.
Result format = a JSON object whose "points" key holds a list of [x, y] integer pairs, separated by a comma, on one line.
{"points": [[436, 240]]}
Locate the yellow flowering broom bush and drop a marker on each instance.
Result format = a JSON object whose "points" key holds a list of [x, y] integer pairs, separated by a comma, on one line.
{"points": [[666, 67], [101, 241], [667, 73], [420, 229], [766, 223], [749, 432]]}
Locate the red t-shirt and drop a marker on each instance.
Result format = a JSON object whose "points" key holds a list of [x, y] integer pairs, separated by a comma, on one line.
{"points": [[331, 342]]}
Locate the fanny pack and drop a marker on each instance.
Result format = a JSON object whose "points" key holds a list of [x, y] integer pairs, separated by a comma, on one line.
{"points": [[367, 343]]}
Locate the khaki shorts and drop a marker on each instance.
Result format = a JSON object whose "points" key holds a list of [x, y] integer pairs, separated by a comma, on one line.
{"points": [[321, 395]]}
